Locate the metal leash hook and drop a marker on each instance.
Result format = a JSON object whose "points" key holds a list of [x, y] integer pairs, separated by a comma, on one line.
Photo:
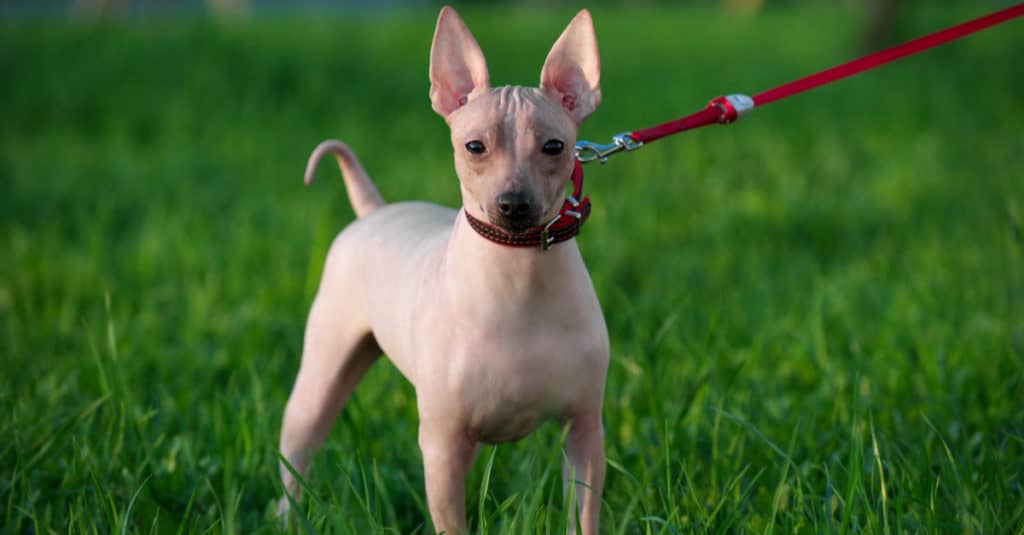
{"points": [[588, 151]]}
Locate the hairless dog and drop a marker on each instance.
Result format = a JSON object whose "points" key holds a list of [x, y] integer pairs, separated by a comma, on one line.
{"points": [[495, 339]]}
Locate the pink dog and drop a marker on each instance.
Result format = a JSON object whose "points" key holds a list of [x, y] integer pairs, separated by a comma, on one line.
{"points": [[495, 338]]}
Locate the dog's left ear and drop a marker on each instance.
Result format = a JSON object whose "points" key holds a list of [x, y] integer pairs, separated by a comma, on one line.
{"points": [[572, 72]]}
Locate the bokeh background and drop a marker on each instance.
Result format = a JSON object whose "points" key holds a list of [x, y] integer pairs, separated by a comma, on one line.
{"points": [[816, 314]]}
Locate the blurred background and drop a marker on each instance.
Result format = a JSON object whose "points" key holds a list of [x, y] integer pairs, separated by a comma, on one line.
{"points": [[816, 314], [882, 19]]}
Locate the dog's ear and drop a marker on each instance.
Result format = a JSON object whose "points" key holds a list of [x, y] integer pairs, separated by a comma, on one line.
{"points": [[572, 72], [458, 71]]}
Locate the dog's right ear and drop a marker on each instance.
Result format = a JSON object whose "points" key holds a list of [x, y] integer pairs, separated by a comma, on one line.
{"points": [[458, 72]]}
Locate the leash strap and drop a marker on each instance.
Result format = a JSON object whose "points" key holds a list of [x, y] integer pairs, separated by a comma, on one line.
{"points": [[888, 55], [727, 109]]}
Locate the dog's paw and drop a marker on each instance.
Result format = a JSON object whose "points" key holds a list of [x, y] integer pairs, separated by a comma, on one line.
{"points": [[285, 519]]}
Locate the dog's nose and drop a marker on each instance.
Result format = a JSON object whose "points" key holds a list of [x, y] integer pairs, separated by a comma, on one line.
{"points": [[513, 203]]}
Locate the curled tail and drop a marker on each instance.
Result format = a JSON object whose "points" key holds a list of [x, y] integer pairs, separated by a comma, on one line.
{"points": [[361, 192]]}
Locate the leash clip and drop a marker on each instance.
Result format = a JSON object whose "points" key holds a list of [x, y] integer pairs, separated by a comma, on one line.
{"points": [[588, 151]]}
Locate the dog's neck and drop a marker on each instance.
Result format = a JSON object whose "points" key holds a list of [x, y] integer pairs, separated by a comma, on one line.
{"points": [[514, 276]]}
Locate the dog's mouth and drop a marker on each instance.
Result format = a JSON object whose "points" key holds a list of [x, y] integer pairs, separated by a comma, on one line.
{"points": [[514, 225]]}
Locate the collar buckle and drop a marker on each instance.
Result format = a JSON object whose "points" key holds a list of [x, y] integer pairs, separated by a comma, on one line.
{"points": [[546, 239]]}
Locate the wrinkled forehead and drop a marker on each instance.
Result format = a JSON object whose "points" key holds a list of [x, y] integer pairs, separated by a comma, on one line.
{"points": [[512, 109]]}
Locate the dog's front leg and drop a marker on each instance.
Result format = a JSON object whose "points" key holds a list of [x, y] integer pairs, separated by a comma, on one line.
{"points": [[447, 456], [584, 448]]}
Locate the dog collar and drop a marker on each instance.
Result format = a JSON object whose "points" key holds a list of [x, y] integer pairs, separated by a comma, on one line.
{"points": [[564, 226]]}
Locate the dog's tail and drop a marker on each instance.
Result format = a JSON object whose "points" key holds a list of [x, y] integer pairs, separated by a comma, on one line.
{"points": [[361, 192]]}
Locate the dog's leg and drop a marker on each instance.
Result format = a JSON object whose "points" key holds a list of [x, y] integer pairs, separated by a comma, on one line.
{"points": [[584, 448], [335, 356], [447, 456]]}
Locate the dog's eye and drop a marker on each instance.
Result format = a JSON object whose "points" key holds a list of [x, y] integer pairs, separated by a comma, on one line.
{"points": [[476, 147], [553, 147]]}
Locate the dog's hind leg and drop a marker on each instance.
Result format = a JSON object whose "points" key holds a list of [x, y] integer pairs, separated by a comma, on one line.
{"points": [[336, 355]]}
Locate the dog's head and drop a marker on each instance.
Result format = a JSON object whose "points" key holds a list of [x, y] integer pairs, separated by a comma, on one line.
{"points": [[513, 145]]}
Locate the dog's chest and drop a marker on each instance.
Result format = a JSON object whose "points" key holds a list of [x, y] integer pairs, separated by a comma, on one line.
{"points": [[508, 384]]}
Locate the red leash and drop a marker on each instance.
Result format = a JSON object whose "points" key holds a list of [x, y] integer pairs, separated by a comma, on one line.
{"points": [[725, 110]]}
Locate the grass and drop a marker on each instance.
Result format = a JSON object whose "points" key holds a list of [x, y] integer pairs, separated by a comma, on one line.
{"points": [[816, 315]]}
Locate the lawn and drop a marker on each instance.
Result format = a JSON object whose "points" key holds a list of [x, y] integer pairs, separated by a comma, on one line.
{"points": [[816, 314]]}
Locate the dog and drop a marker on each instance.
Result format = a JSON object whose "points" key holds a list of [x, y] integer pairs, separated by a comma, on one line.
{"points": [[495, 337]]}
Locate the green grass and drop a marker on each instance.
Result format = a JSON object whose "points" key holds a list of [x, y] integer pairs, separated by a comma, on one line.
{"points": [[816, 315]]}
